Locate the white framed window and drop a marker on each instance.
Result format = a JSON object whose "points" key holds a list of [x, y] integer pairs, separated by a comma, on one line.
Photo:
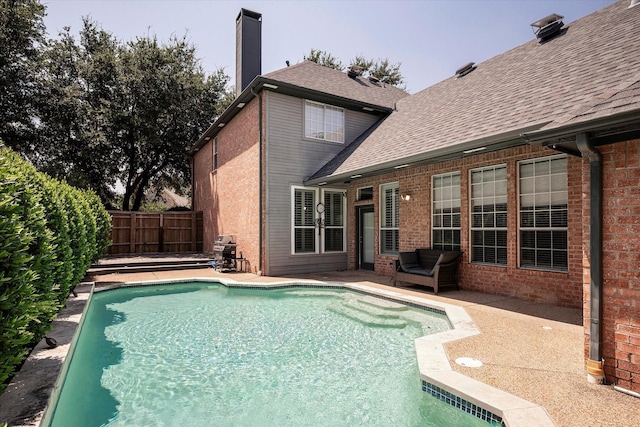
{"points": [[215, 154], [445, 213], [389, 218], [323, 122], [334, 219], [488, 213], [318, 220], [543, 209]]}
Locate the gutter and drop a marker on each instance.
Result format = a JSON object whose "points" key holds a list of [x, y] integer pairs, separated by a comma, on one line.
{"points": [[595, 373]]}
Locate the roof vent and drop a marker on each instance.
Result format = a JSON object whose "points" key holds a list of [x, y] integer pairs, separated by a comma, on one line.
{"points": [[373, 79], [354, 71], [465, 69], [548, 27]]}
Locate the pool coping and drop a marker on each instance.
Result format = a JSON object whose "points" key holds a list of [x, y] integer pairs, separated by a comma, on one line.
{"points": [[436, 374]]}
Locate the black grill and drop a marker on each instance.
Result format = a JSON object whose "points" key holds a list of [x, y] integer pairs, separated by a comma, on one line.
{"points": [[224, 254]]}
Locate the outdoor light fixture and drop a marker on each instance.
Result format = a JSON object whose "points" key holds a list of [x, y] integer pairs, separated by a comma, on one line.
{"points": [[242, 104], [221, 125], [406, 197], [474, 150], [270, 86]]}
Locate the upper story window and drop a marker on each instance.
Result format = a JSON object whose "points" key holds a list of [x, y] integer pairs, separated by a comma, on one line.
{"points": [[323, 122], [543, 206], [445, 224], [389, 218], [488, 198]]}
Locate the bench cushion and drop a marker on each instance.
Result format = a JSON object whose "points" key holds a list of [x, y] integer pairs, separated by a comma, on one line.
{"points": [[408, 260], [420, 271]]}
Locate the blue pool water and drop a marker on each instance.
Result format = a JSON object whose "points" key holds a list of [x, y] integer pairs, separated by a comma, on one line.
{"points": [[207, 355]]}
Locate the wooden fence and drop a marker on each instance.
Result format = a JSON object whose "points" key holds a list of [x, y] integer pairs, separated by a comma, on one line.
{"points": [[154, 232]]}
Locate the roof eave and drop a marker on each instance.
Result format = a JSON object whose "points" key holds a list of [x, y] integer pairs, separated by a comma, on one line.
{"points": [[512, 138], [621, 123], [263, 83]]}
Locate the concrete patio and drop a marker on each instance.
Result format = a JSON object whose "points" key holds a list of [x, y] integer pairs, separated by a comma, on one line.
{"points": [[533, 351]]}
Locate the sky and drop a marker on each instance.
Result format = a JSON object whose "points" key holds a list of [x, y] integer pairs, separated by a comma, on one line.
{"points": [[430, 39]]}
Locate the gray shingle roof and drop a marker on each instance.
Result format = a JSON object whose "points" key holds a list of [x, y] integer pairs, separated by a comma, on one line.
{"points": [[591, 70], [312, 76]]}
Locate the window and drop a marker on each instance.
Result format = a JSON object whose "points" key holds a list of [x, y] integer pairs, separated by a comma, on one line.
{"points": [[445, 224], [488, 197], [543, 213], [304, 239], [365, 193], [389, 218], [215, 153], [324, 122], [318, 227], [333, 221]]}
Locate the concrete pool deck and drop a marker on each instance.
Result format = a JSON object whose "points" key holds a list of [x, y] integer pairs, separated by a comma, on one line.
{"points": [[532, 351]]}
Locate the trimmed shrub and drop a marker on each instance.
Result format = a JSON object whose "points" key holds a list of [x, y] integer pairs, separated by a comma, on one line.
{"points": [[50, 233]]}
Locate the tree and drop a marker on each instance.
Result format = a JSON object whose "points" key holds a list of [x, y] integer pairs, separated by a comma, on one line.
{"points": [[324, 58], [123, 112], [382, 69], [21, 33]]}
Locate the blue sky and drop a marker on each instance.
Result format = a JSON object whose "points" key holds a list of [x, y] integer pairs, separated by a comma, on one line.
{"points": [[431, 39]]}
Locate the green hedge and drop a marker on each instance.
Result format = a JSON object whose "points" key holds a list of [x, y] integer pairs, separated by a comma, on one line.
{"points": [[50, 233]]}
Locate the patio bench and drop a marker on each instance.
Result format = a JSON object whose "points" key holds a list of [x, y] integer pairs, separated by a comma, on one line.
{"points": [[428, 267]]}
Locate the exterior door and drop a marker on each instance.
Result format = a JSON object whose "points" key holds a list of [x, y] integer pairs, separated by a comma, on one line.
{"points": [[366, 246]]}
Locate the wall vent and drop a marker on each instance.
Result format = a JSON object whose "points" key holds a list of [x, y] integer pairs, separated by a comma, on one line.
{"points": [[548, 27], [465, 69]]}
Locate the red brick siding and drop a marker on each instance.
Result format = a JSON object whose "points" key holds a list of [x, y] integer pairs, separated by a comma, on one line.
{"points": [[621, 263], [228, 196], [564, 289]]}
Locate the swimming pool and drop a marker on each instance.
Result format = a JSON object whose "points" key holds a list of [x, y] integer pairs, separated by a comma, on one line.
{"points": [[204, 354]]}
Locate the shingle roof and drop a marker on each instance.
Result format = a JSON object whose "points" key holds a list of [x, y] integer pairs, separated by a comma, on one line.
{"points": [[312, 76], [590, 70]]}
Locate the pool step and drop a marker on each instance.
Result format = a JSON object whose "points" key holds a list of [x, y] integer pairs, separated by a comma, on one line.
{"points": [[368, 315], [382, 303], [312, 293]]}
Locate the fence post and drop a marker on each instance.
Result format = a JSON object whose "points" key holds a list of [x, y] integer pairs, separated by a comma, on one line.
{"points": [[132, 234]]}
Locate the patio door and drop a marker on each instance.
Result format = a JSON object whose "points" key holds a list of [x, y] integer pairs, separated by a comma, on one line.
{"points": [[366, 245]]}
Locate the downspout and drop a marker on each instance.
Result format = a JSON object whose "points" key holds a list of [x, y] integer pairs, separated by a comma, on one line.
{"points": [[595, 373], [259, 96]]}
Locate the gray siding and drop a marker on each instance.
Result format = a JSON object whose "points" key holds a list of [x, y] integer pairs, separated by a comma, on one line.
{"points": [[290, 160]]}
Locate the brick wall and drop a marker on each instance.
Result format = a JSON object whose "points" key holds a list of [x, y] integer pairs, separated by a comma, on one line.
{"points": [[621, 263], [564, 289], [228, 196]]}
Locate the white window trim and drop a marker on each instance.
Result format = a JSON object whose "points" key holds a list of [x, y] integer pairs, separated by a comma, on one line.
{"points": [[471, 214], [319, 240], [520, 228], [382, 228], [433, 177], [324, 106]]}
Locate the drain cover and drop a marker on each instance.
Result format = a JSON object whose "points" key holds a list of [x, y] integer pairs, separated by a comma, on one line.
{"points": [[469, 362]]}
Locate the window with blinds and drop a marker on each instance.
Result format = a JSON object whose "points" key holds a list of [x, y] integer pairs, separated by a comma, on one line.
{"points": [[389, 218], [334, 221], [488, 212], [304, 221], [543, 208], [445, 217]]}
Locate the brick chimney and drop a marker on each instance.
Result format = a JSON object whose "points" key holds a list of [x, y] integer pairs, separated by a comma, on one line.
{"points": [[248, 48]]}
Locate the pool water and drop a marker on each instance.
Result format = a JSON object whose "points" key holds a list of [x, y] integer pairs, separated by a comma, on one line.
{"points": [[206, 355]]}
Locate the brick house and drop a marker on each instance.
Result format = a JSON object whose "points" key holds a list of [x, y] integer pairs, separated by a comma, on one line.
{"points": [[528, 162]]}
